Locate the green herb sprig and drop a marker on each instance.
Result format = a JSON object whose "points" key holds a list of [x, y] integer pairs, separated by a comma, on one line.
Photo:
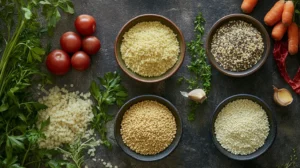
{"points": [[199, 68], [110, 92], [292, 162], [74, 151]]}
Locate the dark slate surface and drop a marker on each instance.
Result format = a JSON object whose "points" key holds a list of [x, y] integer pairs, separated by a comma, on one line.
{"points": [[196, 148]]}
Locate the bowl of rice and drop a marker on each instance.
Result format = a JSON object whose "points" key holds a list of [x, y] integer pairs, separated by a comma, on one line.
{"points": [[150, 48], [243, 127], [148, 128]]}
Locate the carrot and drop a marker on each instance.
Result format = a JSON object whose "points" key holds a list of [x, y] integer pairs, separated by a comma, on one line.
{"points": [[248, 5], [278, 31], [293, 38], [288, 12], [299, 36], [274, 14]]}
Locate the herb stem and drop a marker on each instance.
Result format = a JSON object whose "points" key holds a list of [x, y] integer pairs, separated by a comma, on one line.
{"points": [[25, 156], [6, 55]]}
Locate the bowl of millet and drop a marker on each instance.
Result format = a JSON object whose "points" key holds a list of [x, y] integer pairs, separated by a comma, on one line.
{"points": [[149, 48], [148, 128], [237, 45]]}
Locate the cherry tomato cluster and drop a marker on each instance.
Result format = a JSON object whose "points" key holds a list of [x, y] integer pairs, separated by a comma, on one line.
{"points": [[59, 62]]}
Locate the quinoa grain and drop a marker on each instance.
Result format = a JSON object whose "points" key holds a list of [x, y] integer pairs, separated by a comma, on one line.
{"points": [[237, 46]]}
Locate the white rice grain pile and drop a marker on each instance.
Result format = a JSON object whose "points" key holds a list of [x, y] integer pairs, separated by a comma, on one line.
{"points": [[242, 127], [69, 112]]}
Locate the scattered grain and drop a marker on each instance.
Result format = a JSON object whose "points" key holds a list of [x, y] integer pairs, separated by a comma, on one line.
{"points": [[69, 116]]}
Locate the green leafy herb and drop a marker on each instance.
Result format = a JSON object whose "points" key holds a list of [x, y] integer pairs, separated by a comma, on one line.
{"points": [[199, 68], [21, 56], [74, 151], [110, 92]]}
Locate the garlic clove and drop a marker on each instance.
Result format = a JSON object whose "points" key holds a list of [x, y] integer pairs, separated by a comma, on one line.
{"points": [[184, 94], [197, 95], [282, 97]]}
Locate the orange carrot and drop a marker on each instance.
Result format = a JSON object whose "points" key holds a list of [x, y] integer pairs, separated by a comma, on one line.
{"points": [[248, 5], [278, 31], [274, 14], [293, 38], [299, 36], [288, 12]]}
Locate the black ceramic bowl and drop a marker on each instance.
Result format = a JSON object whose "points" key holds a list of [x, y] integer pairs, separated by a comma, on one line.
{"points": [[257, 25], [272, 122], [130, 152]]}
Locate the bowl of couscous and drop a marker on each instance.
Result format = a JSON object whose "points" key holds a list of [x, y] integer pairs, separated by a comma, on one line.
{"points": [[148, 128], [237, 45], [150, 48], [243, 127]]}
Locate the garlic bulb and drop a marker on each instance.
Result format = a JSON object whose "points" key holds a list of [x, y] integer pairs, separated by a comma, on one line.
{"points": [[197, 95], [282, 97]]}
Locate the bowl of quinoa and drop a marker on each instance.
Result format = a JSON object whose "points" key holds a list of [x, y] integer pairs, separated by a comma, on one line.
{"points": [[148, 128], [243, 127], [150, 48], [237, 45]]}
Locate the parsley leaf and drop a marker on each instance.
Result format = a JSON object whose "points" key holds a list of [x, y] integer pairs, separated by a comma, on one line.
{"points": [[110, 92]]}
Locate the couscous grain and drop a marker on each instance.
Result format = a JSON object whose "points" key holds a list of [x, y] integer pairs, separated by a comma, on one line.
{"points": [[150, 49]]}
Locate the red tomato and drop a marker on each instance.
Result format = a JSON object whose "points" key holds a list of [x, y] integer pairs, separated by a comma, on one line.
{"points": [[80, 61], [85, 25], [91, 45], [70, 42], [58, 62]]}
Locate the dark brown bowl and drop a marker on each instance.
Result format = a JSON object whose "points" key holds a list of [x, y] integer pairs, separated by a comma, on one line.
{"points": [[145, 18], [257, 25]]}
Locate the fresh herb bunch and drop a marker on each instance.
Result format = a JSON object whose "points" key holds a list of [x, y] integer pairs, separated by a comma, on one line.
{"points": [[109, 93], [21, 55], [200, 69]]}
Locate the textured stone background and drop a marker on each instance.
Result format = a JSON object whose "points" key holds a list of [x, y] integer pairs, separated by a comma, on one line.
{"points": [[196, 148]]}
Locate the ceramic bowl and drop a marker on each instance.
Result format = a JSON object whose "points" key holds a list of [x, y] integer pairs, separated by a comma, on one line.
{"points": [[126, 149], [268, 142], [257, 25], [147, 18]]}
